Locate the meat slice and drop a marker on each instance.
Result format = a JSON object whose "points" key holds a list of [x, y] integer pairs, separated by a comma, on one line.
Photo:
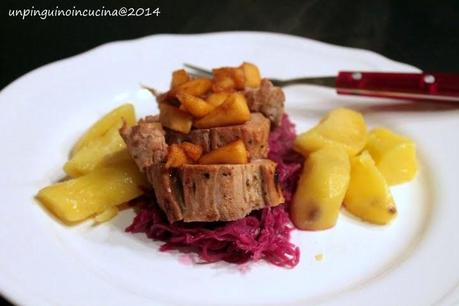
{"points": [[146, 142], [254, 133], [168, 190], [268, 100], [215, 192]]}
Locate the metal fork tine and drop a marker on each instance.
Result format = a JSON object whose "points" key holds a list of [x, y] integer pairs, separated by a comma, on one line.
{"points": [[196, 75], [201, 71]]}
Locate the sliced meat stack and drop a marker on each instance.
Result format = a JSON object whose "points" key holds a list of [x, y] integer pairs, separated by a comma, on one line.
{"points": [[218, 192]]}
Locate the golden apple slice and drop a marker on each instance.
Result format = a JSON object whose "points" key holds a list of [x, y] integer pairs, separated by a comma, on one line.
{"points": [[368, 196], [321, 189], [394, 155], [340, 127]]}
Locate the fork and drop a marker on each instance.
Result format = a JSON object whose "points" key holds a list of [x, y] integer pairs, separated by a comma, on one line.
{"points": [[320, 81], [422, 86]]}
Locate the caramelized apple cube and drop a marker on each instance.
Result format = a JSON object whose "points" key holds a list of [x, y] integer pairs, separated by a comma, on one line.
{"points": [[232, 153], [217, 98], [175, 119], [196, 87], [233, 111], [234, 73], [179, 77], [252, 75], [176, 157], [192, 151], [194, 105], [223, 84]]}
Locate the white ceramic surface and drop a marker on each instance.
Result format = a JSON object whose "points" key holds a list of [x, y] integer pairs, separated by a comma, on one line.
{"points": [[413, 261]]}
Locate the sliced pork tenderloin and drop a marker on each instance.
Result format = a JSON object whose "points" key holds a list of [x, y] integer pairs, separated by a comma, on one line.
{"points": [[268, 100], [209, 193], [146, 142]]}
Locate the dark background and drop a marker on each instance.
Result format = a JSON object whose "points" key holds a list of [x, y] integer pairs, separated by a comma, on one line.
{"points": [[422, 33]]}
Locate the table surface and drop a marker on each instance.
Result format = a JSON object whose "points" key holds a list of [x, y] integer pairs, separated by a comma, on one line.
{"points": [[418, 32]]}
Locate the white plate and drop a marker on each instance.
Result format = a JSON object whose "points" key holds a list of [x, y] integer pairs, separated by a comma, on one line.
{"points": [[411, 262]]}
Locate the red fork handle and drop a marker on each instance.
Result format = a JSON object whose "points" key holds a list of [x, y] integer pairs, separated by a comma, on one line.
{"points": [[410, 86]]}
